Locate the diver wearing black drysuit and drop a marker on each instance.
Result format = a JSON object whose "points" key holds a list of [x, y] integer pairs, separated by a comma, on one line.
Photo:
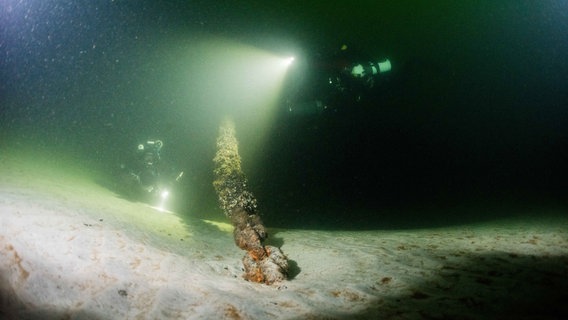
{"points": [[329, 86], [148, 176], [148, 166]]}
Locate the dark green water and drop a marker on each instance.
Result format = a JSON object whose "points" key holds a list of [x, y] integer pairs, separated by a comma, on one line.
{"points": [[473, 115]]}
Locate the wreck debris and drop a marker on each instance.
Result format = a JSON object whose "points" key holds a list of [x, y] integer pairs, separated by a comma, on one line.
{"points": [[263, 264]]}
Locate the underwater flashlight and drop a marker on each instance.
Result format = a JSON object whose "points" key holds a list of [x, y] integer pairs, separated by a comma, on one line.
{"points": [[288, 61], [180, 175], [163, 198]]}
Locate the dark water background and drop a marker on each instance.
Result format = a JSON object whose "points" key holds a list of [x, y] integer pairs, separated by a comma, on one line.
{"points": [[471, 123]]}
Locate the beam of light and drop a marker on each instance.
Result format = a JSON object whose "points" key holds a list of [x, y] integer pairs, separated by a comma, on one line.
{"points": [[231, 77], [222, 78]]}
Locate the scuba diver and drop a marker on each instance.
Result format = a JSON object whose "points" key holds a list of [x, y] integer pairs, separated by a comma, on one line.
{"points": [[149, 160], [326, 85], [148, 178]]}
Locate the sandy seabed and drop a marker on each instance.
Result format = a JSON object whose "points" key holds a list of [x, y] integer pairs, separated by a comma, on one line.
{"points": [[71, 249]]}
